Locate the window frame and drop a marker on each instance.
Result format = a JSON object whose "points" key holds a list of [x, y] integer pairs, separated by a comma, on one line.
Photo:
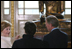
{"points": [[67, 8], [7, 8]]}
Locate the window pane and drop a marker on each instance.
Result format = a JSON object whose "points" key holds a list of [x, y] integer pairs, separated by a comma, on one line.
{"points": [[6, 4], [67, 11], [20, 4], [6, 11], [67, 4], [44, 6], [31, 11], [31, 4], [20, 11]]}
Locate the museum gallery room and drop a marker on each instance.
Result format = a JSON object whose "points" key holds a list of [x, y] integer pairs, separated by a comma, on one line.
{"points": [[20, 12]]}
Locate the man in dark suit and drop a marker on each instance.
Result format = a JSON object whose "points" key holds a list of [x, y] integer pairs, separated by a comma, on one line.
{"points": [[56, 38], [28, 40]]}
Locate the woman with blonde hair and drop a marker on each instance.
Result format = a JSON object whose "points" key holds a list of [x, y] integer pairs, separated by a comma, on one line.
{"points": [[5, 32]]}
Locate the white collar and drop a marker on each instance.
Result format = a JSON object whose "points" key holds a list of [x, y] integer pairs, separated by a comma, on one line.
{"points": [[6, 38], [54, 29]]}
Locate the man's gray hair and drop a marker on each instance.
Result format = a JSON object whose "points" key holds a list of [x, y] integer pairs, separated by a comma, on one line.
{"points": [[51, 19]]}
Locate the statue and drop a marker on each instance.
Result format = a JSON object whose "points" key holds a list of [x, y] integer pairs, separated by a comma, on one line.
{"points": [[52, 8]]}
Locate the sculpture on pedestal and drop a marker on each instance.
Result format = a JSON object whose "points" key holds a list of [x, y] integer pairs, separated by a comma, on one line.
{"points": [[52, 8]]}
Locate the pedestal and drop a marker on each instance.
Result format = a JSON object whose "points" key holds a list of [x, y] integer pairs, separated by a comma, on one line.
{"points": [[64, 25]]}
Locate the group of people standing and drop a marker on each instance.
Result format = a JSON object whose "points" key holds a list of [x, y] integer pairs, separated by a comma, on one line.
{"points": [[55, 39]]}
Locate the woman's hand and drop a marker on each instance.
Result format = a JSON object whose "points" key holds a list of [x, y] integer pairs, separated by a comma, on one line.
{"points": [[17, 37]]}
